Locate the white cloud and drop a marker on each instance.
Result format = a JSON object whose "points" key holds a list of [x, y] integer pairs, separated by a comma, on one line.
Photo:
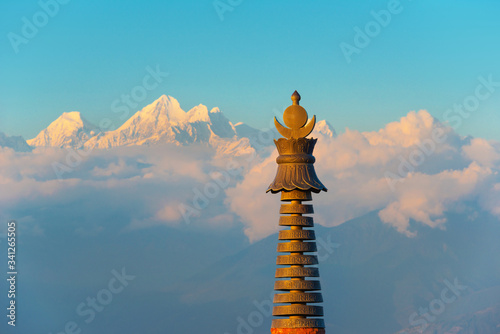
{"points": [[410, 130], [257, 210], [425, 198], [435, 170], [484, 152], [143, 186]]}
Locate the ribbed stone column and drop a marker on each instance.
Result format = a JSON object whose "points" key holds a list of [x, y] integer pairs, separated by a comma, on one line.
{"points": [[296, 179]]}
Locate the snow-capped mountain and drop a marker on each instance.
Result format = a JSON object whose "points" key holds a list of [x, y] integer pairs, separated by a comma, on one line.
{"points": [[70, 130], [17, 143], [324, 128], [163, 121]]}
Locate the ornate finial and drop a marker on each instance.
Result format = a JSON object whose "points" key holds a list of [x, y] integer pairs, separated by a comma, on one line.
{"points": [[296, 98], [295, 118], [298, 289]]}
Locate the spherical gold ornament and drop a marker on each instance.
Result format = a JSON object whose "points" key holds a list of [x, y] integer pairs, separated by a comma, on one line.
{"points": [[295, 117]]}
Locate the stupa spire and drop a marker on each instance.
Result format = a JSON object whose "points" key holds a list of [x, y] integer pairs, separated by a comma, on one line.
{"points": [[296, 179]]}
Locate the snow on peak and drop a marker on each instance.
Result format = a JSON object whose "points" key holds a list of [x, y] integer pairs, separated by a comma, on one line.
{"points": [[167, 99], [70, 121], [74, 116], [165, 121], [162, 121], [166, 108], [198, 114], [68, 130], [220, 125], [325, 128]]}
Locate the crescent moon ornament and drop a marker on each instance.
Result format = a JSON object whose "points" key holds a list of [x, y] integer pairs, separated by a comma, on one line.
{"points": [[295, 118], [284, 131], [306, 129]]}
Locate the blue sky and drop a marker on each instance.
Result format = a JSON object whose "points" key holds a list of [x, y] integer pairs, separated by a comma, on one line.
{"points": [[429, 56], [122, 208]]}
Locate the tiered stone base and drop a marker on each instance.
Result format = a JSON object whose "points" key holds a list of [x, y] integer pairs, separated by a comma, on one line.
{"points": [[297, 331]]}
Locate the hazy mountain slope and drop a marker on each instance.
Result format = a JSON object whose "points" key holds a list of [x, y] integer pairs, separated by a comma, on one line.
{"points": [[17, 143], [373, 278], [158, 258], [486, 321], [373, 273]]}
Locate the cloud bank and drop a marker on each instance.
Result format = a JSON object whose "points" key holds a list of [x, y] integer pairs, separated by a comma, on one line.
{"points": [[415, 169], [411, 171]]}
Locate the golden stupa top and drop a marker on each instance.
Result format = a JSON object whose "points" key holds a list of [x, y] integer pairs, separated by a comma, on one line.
{"points": [[295, 118], [295, 162]]}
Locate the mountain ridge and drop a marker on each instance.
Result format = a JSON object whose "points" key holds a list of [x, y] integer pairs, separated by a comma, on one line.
{"points": [[161, 121], [351, 256], [70, 130], [17, 143]]}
